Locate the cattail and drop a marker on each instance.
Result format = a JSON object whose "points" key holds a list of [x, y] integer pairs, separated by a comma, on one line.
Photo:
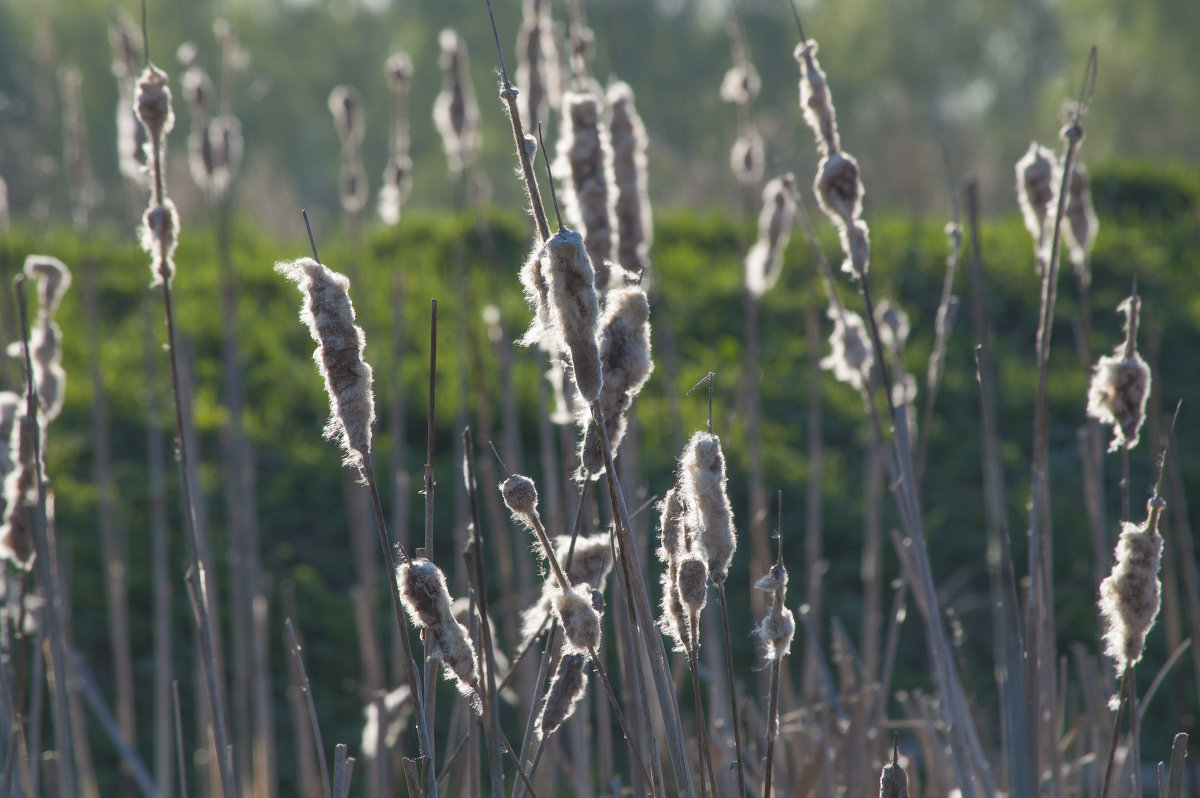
{"points": [[580, 621], [779, 626], [672, 526], [329, 315], [537, 293], [702, 473], [226, 143], [131, 135], [197, 88], [397, 706], [741, 84], [397, 174], [455, 112], [838, 188], [153, 104], [626, 365], [1035, 188], [1120, 385], [567, 687], [352, 186], [629, 142], [815, 100], [591, 562], [748, 156], [346, 108], [893, 781], [574, 308], [584, 165], [1081, 227], [159, 236], [893, 325], [45, 338], [693, 583], [425, 596], [764, 262], [856, 243], [520, 494], [10, 410], [850, 359], [20, 496], [1130, 595], [537, 63]]}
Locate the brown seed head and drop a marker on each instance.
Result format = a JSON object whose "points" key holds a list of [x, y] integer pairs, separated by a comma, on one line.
{"points": [[893, 781], [748, 156], [585, 162], [632, 207], [567, 687], [815, 100], [346, 107], [850, 358], [579, 619], [764, 262], [575, 309], [1035, 188], [693, 583], [159, 235], [153, 103], [1081, 227], [839, 189]]}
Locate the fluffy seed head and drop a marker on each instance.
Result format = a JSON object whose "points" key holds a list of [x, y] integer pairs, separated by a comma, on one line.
{"points": [[748, 156], [397, 184], [850, 359], [893, 781], [197, 91], [673, 513], [20, 496], [329, 315], [53, 279], [1130, 595], [520, 494], [764, 262], [537, 63], [346, 107], [1035, 188], [153, 103], [702, 470], [626, 365], [10, 410], [893, 325], [574, 308], [159, 236], [776, 632], [455, 112], [1120, 385], [352, 186], [693, 583], [856, 243], [591, 562], [632, 207], [567, 687], [1081, 227], [579, 619], [399, 70], [741, 84], [537, 294], [425, 596], [814, 98], [839, 189], [584, 166], [673, 619]]}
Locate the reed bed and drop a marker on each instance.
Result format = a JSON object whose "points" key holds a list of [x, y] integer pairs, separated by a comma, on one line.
{"points": [[576, 635]]}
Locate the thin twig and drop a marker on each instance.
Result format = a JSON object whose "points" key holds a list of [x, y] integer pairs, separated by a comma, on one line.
{"points": [[182, 762]]}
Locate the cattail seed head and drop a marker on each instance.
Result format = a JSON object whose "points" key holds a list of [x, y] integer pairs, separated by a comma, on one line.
{"points": [[814, 98], [427, 600], [397, 184], [1130, 595], [329, 316], [851, 358], [741, 84], [579, 619], [399, 71], [585, 162], [1081, 227], [626, 365], [1035, 188], [776, 632], [1120, 385], [352, 186], [673, 619], [455, 112], [10, 410], [159, 236], [632, 208], [346, 108], [702, 470], [764, 262], [748, 156], [574, 308], [893, 781], [839, 189], [537, 293], [693, 583], [591, 562], [673, 513], [537, 63], [567, 687], [856, 243], [153, 103], [20, 496], [520, 494], [893, 325], [197, 91]]}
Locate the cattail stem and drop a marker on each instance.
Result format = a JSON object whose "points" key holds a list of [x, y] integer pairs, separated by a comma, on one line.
{"points": [[312, 709], [735, 719], [772, 727], [179, 756], [612, 697], [705, 749], [1123, 691], [484, 622]]}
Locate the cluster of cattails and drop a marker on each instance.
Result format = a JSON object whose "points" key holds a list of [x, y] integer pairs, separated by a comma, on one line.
{"points": [[329, 316], [18, 429], [215, 141], [1120, 385], [764, 261], [838, 187], [346, 108], [160, 224], [455, 112], [537, 64], [685, 580], [397, 175]]}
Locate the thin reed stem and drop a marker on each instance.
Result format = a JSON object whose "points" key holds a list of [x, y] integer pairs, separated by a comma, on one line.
{"points": [[312, 709], [1126, 686], [704, 749], [612, 698], [179, 757], [735, 715]]}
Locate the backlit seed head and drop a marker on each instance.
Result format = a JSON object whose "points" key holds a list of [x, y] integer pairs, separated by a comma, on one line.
{"points": [[1120, 385], [702, 470], [579, 619], [1131, 595], [152, 103], [1035, 188]]}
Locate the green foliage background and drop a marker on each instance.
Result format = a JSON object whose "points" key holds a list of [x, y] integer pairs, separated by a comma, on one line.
{"points": [[1149, 230]]}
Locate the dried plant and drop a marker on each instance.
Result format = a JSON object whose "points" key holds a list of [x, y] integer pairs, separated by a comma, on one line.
{"points": [[397, 175], [455, 112], [585, 162], [632, 206], [537, 63], [764, 261], [1120, 385], [427, 599]]}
